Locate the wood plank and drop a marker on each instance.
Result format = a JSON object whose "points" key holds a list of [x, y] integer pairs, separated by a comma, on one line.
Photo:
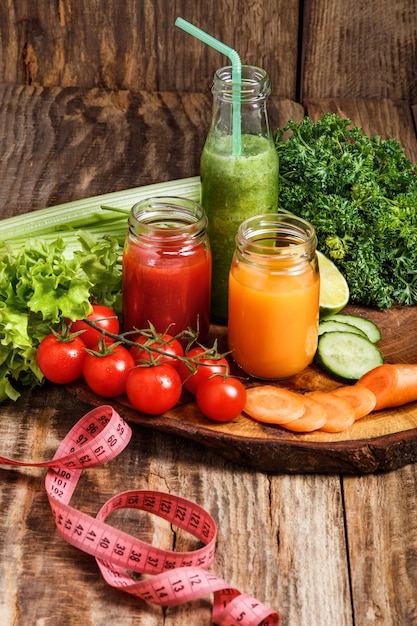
{"points": [[314, 527], [67, 144], [135, 44], [359, 50], [384, 117], [382, 543], [94, 140]]}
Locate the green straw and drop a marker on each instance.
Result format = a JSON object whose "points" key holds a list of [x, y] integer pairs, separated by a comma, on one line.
{"points": [[236, 74]]}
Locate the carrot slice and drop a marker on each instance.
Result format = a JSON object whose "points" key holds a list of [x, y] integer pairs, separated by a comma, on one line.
{"points": [[392, 384], [340, 414], [273, 405], [361, 399], [313, 418]]}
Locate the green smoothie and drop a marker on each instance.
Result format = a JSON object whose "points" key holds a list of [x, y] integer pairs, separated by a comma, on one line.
{"points": [[234, 188]]}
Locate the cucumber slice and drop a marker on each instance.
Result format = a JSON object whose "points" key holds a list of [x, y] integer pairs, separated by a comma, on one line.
{"points": [[329, 325], [348, 356], [370, 329]]}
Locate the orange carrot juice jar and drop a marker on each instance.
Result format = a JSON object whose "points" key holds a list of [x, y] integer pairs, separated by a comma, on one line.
{"points": [[274, 296], [167, 267]]}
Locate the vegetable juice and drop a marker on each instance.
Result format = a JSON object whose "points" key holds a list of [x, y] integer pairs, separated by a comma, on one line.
{"points": [[167, 290], [274, 296], [166, 274], [273, 320], [234, 187]]}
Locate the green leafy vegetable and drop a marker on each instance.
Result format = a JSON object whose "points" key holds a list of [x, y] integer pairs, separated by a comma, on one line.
{"points": [[360, 193], [54, 262], [39, 286]]}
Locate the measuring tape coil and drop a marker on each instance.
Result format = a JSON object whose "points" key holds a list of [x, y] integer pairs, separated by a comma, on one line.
{"points": [[173, 578]]}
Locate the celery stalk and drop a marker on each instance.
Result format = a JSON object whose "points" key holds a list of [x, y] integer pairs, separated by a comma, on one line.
{"points": [[88, 212]]}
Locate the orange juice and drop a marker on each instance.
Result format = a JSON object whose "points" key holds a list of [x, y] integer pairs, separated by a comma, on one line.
{"points": [[273, 306]]}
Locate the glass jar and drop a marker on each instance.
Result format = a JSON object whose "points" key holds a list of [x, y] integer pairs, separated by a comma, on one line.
{"points": [[274, 296], [167, 267], [236, 186]]}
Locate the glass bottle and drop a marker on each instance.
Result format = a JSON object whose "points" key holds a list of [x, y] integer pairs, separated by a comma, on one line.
{"points": [[236, 186], [167, 267], [274, 296]]}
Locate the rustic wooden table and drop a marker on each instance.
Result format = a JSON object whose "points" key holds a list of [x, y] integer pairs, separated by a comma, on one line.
{"points": [[328, 550]]}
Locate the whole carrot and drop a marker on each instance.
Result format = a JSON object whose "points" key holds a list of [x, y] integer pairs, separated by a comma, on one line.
{"points": [[394, 384]]}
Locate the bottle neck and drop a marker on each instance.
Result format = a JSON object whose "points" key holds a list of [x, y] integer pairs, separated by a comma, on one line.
{"points": [[253, 90]]}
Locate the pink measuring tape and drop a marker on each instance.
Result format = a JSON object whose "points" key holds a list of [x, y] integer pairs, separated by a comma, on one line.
{"points": [[176, 577]]}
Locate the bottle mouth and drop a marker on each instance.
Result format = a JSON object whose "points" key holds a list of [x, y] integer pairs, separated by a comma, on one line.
{"points": [[279, 236], [254, 83], [163, 219]]}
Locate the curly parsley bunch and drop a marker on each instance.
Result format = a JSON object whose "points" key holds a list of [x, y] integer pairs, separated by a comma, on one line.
{"points": [[360, 193]]}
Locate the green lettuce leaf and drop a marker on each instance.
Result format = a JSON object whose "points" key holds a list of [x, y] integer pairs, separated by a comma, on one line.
{"points": [[40, 286]]}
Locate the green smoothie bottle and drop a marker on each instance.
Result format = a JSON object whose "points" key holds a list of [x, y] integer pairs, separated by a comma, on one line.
{"points": [[236, 186]]}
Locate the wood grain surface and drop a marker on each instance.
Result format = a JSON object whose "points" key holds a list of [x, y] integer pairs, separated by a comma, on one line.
{"points": [[363, 49], [135, 44], [311, 49]]}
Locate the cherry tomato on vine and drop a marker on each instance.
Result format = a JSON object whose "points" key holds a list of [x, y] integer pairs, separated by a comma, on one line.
{"points": [[221, 399], [61, 357], [106, 373], [103, 317], [155, 389], [206, 365], [170, 346]]}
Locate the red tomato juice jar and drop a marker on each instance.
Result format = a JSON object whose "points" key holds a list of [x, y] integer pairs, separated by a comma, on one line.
{"points": [[167, 267]]}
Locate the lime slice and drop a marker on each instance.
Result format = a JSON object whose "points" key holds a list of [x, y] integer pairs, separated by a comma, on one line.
{"points": [[334, 290]]}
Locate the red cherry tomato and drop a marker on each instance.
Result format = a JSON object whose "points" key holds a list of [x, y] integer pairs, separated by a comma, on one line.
{"points": [[103, 317], [155, 389], [61, 357], [221, 399], [206, 365], [170, 346], [106, 374]]}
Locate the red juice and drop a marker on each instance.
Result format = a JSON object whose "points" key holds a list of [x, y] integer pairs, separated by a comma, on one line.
{"points": [[166, 274]]}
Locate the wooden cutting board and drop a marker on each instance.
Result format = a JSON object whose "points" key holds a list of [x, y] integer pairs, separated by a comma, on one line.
{"points": [[383, 441]]}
